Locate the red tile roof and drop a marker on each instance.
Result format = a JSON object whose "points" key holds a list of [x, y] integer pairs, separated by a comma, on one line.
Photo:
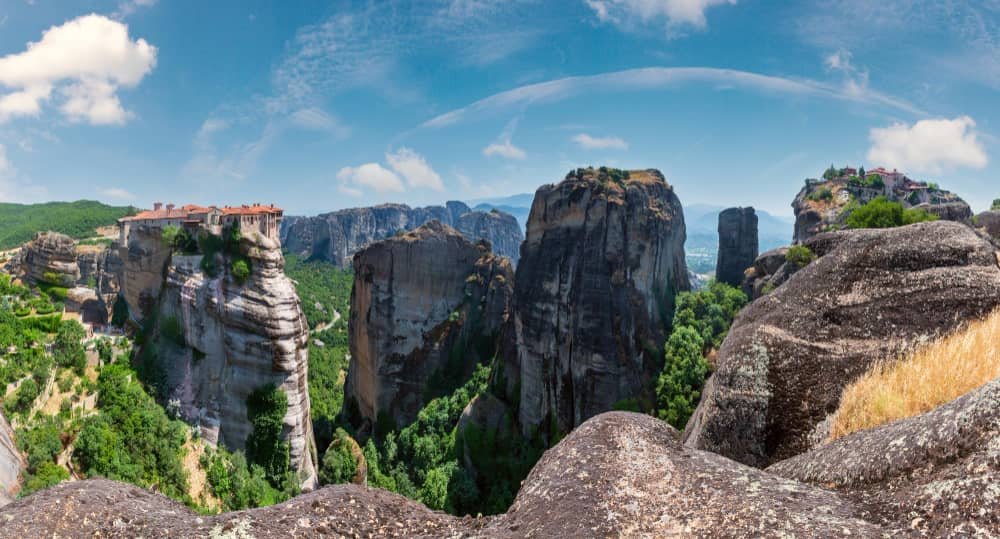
{"points": [[184, 211]]}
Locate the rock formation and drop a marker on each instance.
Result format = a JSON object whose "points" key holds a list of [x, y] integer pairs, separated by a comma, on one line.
{"points": [[338, 235], [143, 265], [989, 221], [935, 474], [617, 475], [823, 205], [426, 307], [100, 269], [11, 464], [217, 341], [50, 258], [769, 271], [870, 295], [602, 262], [737, 244]]}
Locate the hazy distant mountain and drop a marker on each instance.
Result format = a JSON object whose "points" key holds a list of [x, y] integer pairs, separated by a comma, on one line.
{"points": [[702, 221]]}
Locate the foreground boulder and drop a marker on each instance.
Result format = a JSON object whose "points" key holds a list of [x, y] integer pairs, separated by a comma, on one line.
{"points": [[617, 475], [599, 270], [738, 244], [869, 296], [937, 473], [426, 307]]}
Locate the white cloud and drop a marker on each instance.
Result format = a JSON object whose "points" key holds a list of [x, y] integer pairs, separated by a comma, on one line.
{"points": [[316, 119], [600, 143], [211, 126], [371, 175], [839, 61], [930, 146], [504, 149], [676, 12], [117, 193], [89, 58], [128, 7], [649, 78], [415, 169]]}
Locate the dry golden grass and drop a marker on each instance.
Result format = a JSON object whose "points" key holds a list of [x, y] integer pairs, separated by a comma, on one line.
{"points": [[923, 380]]}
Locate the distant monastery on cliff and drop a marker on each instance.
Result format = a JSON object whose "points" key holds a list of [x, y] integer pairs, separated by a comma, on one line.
{"points": [[259, 218]]}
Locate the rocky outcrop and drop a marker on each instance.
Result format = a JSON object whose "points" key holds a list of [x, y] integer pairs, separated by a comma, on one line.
{"points": [[50, 258], [823, 205], [602, 262], [617, 475], [989, 221], [769, 271], [100, 269], [12, 464], [143, 265], [217, 341], [870, 295], [426, 307], [936, 474], [737, 244], [338, 235]]}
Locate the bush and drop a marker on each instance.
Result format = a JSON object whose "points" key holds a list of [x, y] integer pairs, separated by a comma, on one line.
{"points": [[237, 484], [240, 270], [67, 349], [996, 205], [47, 475], [883, 213], [339, 464], [823, 193], [170, 327], [800, 255]]}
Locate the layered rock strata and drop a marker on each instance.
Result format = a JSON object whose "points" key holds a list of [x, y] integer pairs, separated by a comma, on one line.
{"points": [[738, 244]]}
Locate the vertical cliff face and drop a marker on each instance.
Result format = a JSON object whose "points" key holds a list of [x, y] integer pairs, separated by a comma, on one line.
{"points": [[338, 235], [602, 262], [143, 263], [217, 340], [11, 463], [426, 307], [738, 244]]}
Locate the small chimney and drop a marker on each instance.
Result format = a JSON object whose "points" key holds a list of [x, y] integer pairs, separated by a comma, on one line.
{"points": [[170, 207], [157, 206]]}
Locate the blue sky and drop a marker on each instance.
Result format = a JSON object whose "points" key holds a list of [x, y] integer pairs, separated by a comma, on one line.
{"points": [[323, 105]]}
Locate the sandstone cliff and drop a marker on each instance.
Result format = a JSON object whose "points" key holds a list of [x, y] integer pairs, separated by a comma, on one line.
{"points": [[871, 294], [338, 235], [823, 205], [738, 244], [602, 262], [989, 222], [50, 258], [216, 340], [426, 307], [100, 268], [143, 265], [11, 463]]}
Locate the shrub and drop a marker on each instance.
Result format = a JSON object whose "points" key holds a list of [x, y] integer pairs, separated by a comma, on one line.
{"points": [[883, 213], [823, 193], [800, 255], [240, 270], [170, 327], [339, 463], [47, 475], [679, 385], [237, 484], [924, 379], [266, 408], [67, 349], [996, 205]]}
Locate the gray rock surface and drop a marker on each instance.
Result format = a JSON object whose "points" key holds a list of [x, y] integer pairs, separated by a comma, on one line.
{"points": [[936, 474], [989, 221], [141, 272], [738, 244], [599, 270], [869, 296], [234, 339], [50, 257], [336, 236], [426, 307], [12, 464]]}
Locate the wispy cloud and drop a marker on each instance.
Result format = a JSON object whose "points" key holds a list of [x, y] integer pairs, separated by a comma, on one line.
{"points": [[588, 142], [672, 13], [503, 146], [117, 193], [664, 77], [128, 7]]}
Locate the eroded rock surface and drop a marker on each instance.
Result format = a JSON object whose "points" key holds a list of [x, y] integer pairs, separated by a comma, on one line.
{"points": [[426, 307], [738, 244], [599, 270], [937, 473], [50, 258], [11, 463], [989, 221], [217, 341], [338, 235], [869, 296], [143, 267]]}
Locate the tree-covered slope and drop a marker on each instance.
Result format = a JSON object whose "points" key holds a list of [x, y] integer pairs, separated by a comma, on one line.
{"points": [[19, 222]]}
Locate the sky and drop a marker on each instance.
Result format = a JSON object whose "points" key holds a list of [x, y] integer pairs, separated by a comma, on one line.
{"points": [[317, 106]]}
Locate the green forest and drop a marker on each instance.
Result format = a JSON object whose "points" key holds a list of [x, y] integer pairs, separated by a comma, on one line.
{"points": [[19, 222]]}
